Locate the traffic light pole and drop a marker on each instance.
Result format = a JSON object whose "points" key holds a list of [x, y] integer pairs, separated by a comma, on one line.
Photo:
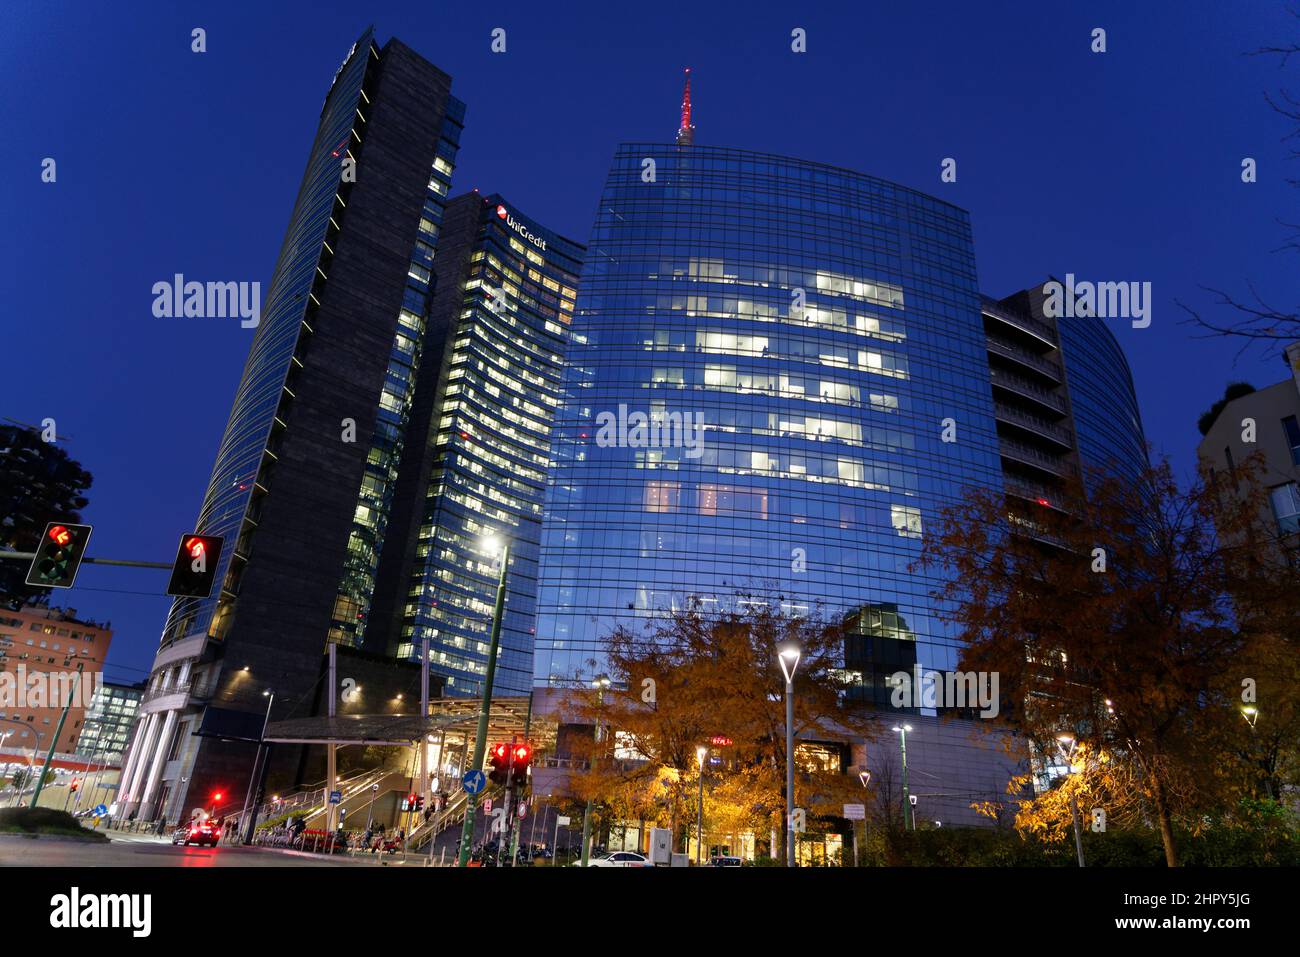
{"points": [[480, 737], [28, 556], [54, 741]]}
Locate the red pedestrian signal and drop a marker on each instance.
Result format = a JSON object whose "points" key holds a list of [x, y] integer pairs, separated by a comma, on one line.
{"points": [[59, 555], [523, 758], [499, 758], [195, 570]]}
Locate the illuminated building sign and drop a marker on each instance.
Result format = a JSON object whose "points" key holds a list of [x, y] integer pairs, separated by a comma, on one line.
{"points": [[520, 228]]}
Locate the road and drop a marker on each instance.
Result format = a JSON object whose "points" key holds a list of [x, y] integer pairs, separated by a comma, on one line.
{"points": [[137, 850]]}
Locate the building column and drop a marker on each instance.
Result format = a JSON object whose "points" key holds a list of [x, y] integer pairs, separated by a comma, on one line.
{"points": [[139, 759], [130, 754], [159, 757]]}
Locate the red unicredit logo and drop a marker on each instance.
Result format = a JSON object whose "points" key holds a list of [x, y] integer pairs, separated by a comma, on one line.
{"points": [[501, 212]]}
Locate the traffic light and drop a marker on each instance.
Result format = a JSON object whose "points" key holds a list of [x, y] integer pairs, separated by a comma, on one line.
{"points": [[76, 783], [500, 760], [59, 555], [195, 568], [523, 757], [413, 802]]}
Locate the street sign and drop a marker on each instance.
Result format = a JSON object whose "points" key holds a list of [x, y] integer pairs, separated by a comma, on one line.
{"points": [[487, 805], [561, 821], [336, 797], [374, 787], [100, 810], [474, 781], [523, 809], [855, 812]]}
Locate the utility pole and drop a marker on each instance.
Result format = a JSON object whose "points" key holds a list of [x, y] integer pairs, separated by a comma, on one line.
{"points": [[331, 754], [54, 741], [514, 841], [480, 739], [424, 716]]}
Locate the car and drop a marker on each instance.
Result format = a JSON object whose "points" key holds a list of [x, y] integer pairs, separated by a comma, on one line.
{"points": [[725, 862], [619, 859], [197, 832]]}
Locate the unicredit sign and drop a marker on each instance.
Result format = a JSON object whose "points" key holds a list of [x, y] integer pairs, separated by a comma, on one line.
{"points": [[520, 228]]}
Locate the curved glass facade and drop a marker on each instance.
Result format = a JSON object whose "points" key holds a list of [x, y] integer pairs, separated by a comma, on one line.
{"points": [[1103, 403], [763, 356]]}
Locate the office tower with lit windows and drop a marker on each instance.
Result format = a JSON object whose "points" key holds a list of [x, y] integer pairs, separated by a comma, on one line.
{"points": [[302, 489], [506, 287], [823, 326]]}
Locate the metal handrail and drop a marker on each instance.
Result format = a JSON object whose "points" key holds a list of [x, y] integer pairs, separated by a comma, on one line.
{"points": [[1041, 363]]}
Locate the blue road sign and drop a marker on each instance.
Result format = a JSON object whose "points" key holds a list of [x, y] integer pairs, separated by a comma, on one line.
{"points": [[336, 797], [474, 781], [100, 810]]}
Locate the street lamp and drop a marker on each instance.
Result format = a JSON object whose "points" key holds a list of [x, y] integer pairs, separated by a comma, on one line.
{"points": [[788, 655], [909, 816], [269, 695], [600, 683], [1065, 744], [490, 545], [700, 753]]}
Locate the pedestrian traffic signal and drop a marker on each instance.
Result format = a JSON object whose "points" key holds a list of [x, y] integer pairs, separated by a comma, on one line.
{"points": [[76, 783], [59, 555], [523, 757], [500, 760], [195, 568], [413, 802]]}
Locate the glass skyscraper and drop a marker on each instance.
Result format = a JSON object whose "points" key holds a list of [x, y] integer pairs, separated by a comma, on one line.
{"points": [[505, 300], [303, 487], [819, 326]]}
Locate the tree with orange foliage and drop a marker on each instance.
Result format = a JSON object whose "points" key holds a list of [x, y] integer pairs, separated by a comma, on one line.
{"points": [[1124, 618]]}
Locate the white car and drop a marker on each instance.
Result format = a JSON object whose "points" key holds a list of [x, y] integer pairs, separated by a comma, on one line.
{"points": [[620, 859]]}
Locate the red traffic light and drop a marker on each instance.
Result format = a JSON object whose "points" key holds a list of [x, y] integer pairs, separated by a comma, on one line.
{"points": [[217, 796], [195, 547], [60, 535], [522, 753], [499, 751]]}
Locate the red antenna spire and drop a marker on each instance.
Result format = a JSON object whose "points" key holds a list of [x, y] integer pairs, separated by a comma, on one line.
{"points": [[686, 132]]}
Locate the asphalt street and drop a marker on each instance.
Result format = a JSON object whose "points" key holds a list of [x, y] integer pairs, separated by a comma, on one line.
{"points": [[148, 851]]}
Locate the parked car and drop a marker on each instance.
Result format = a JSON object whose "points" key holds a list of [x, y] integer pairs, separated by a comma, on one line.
{"points": [[619, 859]]}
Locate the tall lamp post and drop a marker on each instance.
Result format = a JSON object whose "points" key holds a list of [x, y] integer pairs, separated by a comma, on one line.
{"points": [[788, 655], [600, 683], [701, 753], [480, 738], [1065, 743], [909, 816], [269, 695]]}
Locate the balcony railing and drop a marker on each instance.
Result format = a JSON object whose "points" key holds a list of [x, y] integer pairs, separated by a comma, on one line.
{"points": [[201, 689], [1026, 420], [1034, 492], [1025, 323], [1029, 390], [1024, 452], [1034, 361]]}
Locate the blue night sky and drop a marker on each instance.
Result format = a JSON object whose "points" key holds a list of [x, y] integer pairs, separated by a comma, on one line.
{"points": [[1119, 166]]}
